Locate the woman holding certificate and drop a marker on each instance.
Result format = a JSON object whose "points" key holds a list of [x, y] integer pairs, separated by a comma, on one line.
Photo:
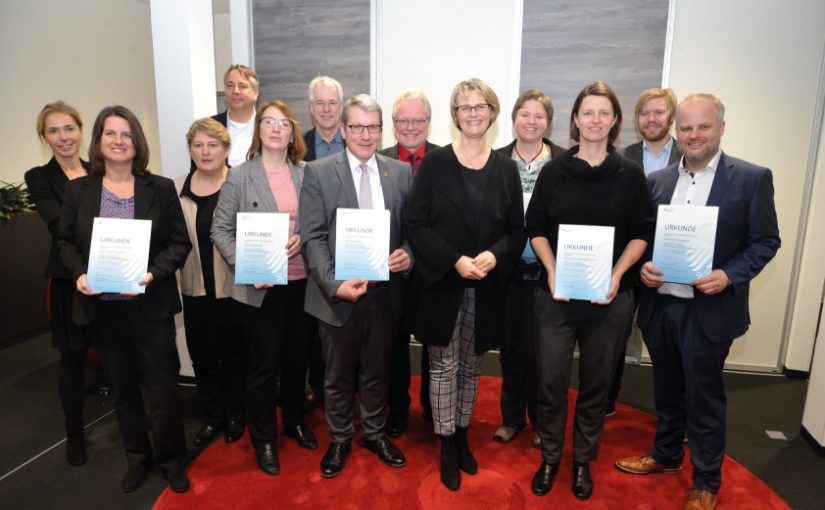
{"points": [[589, 186], [134, 332], [59, 125], [211, 318], [465, 225], [277, 331]]}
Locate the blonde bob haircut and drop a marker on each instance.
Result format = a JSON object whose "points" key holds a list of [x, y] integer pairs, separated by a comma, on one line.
{"points": [[210, 127], [474, 85]]}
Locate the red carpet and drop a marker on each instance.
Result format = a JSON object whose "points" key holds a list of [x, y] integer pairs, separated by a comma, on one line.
{"points": [[225, 476]]}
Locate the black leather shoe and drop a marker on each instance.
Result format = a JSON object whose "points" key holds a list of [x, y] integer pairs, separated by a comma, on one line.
{"points": [[303, 436], [543, 479], [233, 431], [386, 451], [75, 444], [206, 435], [396, 424], [267, 459], [313, 399], [582, 483], [134, 477], [333, 462], [177, 480]]}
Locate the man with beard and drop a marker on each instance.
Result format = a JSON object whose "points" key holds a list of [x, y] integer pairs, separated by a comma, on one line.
{"points": [[657, 149], [654, 116], [689, 329]]}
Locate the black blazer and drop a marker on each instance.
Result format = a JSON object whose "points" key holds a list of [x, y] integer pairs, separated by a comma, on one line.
{"points": [[555, 150], [46, 185], [309, 140], [439, 232], [156, 200], [635, 152]]}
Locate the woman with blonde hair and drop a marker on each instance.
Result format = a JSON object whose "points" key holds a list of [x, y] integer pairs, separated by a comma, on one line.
{"points": [[465, 225]]}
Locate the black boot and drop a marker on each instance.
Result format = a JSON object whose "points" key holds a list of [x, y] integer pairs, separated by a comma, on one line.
{"points": [[450, 476], [75, 444], [466, 461]]}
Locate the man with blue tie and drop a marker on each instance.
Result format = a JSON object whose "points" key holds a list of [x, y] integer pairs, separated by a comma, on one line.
{"points": [[689, 329], [358, 319]]}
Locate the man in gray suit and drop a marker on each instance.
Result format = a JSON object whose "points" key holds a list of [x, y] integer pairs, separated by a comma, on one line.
{"points": [[411, 114], [358, 319]]}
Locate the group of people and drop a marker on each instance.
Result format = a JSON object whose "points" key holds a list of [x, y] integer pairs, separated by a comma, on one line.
{"points": [[463, 277]]}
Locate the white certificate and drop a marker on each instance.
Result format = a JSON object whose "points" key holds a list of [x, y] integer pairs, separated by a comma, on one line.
{"points": [[260, 248], [584, 262], [362, 244], [683, 247], [119, 255]]}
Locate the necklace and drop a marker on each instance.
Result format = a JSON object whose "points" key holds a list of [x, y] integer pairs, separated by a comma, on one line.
{"points": [[541, 149]]}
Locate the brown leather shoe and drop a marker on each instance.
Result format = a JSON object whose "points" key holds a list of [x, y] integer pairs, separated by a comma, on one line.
{"points": [[645, 465], [700, 500]]}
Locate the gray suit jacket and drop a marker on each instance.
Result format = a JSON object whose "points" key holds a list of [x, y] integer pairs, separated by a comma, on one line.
{"points": [[635, 152], [328, 185], [246, 190]]}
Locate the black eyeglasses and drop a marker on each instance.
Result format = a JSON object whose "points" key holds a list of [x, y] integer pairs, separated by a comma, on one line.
{"points": [[466, 108], [358, 128]]}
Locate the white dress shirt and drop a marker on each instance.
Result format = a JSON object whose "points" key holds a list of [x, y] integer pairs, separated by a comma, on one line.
{"points": [[241, 135]]}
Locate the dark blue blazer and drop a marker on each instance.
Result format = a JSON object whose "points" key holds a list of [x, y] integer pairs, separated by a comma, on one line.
{"points": [[747, 237]]}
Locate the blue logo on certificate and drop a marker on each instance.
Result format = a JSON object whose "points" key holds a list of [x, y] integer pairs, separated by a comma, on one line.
{"points": [[260, 248], [362, 244], [684, 242], [119, 255], [584, 262]]}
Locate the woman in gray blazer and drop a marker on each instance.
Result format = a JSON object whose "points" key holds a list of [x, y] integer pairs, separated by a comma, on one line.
{"points": [[276, 328]]}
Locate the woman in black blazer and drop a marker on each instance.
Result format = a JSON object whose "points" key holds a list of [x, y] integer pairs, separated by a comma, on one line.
{"points": [[59, 126], [465, 224], [134, 334]]}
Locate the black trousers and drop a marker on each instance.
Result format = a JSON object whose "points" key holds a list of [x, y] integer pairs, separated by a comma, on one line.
{"points": [[70, 384], [214, 338], [519, 388], [135, 350], [599, 331], [277, 335], [362, 346], [399, 393]]}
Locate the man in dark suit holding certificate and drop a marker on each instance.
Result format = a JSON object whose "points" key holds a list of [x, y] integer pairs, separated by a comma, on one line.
{"points": [[689, 329], [358, 318]]}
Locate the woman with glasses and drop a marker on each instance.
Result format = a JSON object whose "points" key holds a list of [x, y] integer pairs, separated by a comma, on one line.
{"points": [[591, 184], [210, 318], [532, 116], [59, 126], [277, 331], [465, 225], [134, 333]]}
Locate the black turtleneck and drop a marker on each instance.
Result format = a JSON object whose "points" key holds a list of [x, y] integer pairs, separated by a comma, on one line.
{"points": [[614, 193]]}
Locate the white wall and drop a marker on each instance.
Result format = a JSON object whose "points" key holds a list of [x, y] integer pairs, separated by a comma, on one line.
{"points": [[458, 43], [764, 63], [90, 53]]}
